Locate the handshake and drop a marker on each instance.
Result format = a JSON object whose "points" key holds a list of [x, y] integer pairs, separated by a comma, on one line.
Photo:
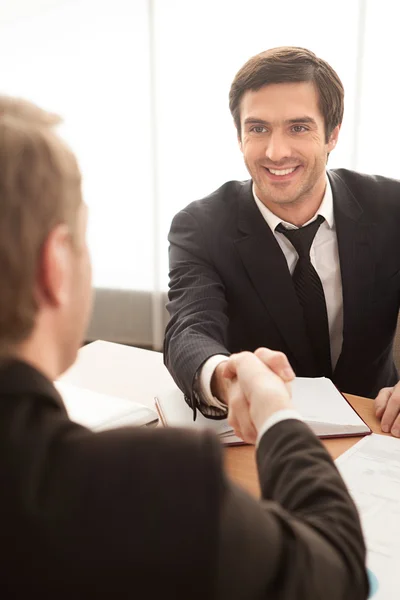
{"points": [[254, 386]]}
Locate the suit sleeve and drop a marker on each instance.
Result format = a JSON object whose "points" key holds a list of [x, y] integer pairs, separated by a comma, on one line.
{"points": [[304, 539], [197, 304]]}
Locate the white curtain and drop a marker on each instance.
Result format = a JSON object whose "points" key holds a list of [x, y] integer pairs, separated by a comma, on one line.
{"points": [[143, 88]]}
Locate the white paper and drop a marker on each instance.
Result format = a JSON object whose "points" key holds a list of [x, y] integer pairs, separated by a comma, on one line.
{"points": [[371, 470], [99, 411], [177, 413], [318, 401]]}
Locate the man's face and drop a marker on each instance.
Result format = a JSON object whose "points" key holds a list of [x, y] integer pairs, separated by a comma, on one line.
{"points": [[79, 303], [283, 142]]}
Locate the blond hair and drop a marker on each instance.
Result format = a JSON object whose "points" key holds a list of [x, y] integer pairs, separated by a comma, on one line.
{"points": [[40, 187]]}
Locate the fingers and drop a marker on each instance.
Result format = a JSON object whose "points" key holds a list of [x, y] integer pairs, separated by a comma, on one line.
{"points": [[239, 416], [230, 369], [277, 362], [256, 392], [395, 430], [381, 401], [219, 383], [255, 377], [390, 420]]}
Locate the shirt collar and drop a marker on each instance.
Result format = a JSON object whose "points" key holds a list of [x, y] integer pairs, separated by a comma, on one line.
{"points": [[325, 210]]}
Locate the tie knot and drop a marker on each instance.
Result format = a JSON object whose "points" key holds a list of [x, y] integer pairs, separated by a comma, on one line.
{"points": [[302, 238]]}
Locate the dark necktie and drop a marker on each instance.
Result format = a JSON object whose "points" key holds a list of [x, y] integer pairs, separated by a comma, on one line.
{"points": [[310, 293]]}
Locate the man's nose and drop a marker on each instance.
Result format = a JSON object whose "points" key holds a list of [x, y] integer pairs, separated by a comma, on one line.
{"points": [[277, 148]]}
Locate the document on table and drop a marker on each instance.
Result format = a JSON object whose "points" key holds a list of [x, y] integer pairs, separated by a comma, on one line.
{"points": [[318, 401], [371, 470], [99, 411]]}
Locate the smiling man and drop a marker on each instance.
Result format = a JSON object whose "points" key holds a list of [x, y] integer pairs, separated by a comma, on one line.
{"points": [[299, 258]]}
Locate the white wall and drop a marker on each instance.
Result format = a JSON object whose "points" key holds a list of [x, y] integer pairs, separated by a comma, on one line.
{"points": [[143, 87]]}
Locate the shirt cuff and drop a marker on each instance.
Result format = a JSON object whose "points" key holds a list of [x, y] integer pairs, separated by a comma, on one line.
{"points": [[206, 374], [277, 417]]}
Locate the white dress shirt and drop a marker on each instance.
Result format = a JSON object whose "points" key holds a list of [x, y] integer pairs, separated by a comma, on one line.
{"points": [[324, 256]]}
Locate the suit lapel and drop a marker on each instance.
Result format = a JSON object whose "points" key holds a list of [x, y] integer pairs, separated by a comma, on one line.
{"points": [[267, 268], [356, 256]]}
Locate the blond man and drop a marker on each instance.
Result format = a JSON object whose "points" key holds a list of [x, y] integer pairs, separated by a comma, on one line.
{"points": [[133, 512]]}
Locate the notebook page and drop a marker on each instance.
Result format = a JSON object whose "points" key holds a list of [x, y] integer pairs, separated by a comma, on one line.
{"points": [[178, 414], [318, 400], [99, 411]]}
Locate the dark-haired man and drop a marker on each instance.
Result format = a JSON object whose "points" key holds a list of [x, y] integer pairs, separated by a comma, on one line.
{"points": [[299, 259]]}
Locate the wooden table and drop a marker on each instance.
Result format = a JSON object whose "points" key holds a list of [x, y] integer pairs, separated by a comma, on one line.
{"points": [[240, 460], [137, 374]]}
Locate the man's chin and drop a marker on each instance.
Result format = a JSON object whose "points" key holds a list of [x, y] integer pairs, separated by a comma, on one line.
{"points": [[284, 201], [278, 197]]}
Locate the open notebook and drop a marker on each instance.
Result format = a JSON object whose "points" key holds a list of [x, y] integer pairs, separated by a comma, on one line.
{"points": [[318, 401], [99, 411]]}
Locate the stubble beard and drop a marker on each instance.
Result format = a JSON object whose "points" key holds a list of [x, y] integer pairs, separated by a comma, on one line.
{"points": [[297, 196]]}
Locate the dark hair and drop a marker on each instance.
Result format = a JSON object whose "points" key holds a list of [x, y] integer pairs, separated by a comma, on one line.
{"points": [[289, 64]]}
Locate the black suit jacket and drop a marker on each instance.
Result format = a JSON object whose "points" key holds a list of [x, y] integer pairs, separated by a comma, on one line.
{"points": [[149, 514], [231, 289]]}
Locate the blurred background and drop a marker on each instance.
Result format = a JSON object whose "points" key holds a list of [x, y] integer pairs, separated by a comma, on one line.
{"points": [[143, 88]]}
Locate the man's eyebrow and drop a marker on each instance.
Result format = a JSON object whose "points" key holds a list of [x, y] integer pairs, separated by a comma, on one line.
{"points": [[255, 120], [297, 120], [306, 120]]}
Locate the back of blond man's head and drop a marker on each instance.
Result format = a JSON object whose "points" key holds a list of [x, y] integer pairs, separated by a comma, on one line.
{"points": [[40, 187]]}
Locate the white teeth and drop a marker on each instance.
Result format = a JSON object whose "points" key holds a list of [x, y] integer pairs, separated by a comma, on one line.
{"points": [[282, 171]]}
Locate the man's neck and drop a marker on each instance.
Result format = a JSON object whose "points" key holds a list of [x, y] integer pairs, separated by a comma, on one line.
{"points": [[297, 214], [300, 212], [41, 355]]}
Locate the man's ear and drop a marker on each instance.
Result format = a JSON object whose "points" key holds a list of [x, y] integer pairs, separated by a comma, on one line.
{"points": [[239, 138], [333, 139], [55, 267]]}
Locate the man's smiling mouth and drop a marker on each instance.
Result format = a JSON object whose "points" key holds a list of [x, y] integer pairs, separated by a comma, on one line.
{"points": [[281, 174], [281, 171]]}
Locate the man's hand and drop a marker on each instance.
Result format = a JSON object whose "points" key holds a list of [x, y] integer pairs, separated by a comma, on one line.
{"points": [[387, 409], [255, 389]]}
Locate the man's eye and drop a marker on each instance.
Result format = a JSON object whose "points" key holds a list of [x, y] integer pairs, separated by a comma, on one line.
{"points": [[299, 128], [258, 129]]}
